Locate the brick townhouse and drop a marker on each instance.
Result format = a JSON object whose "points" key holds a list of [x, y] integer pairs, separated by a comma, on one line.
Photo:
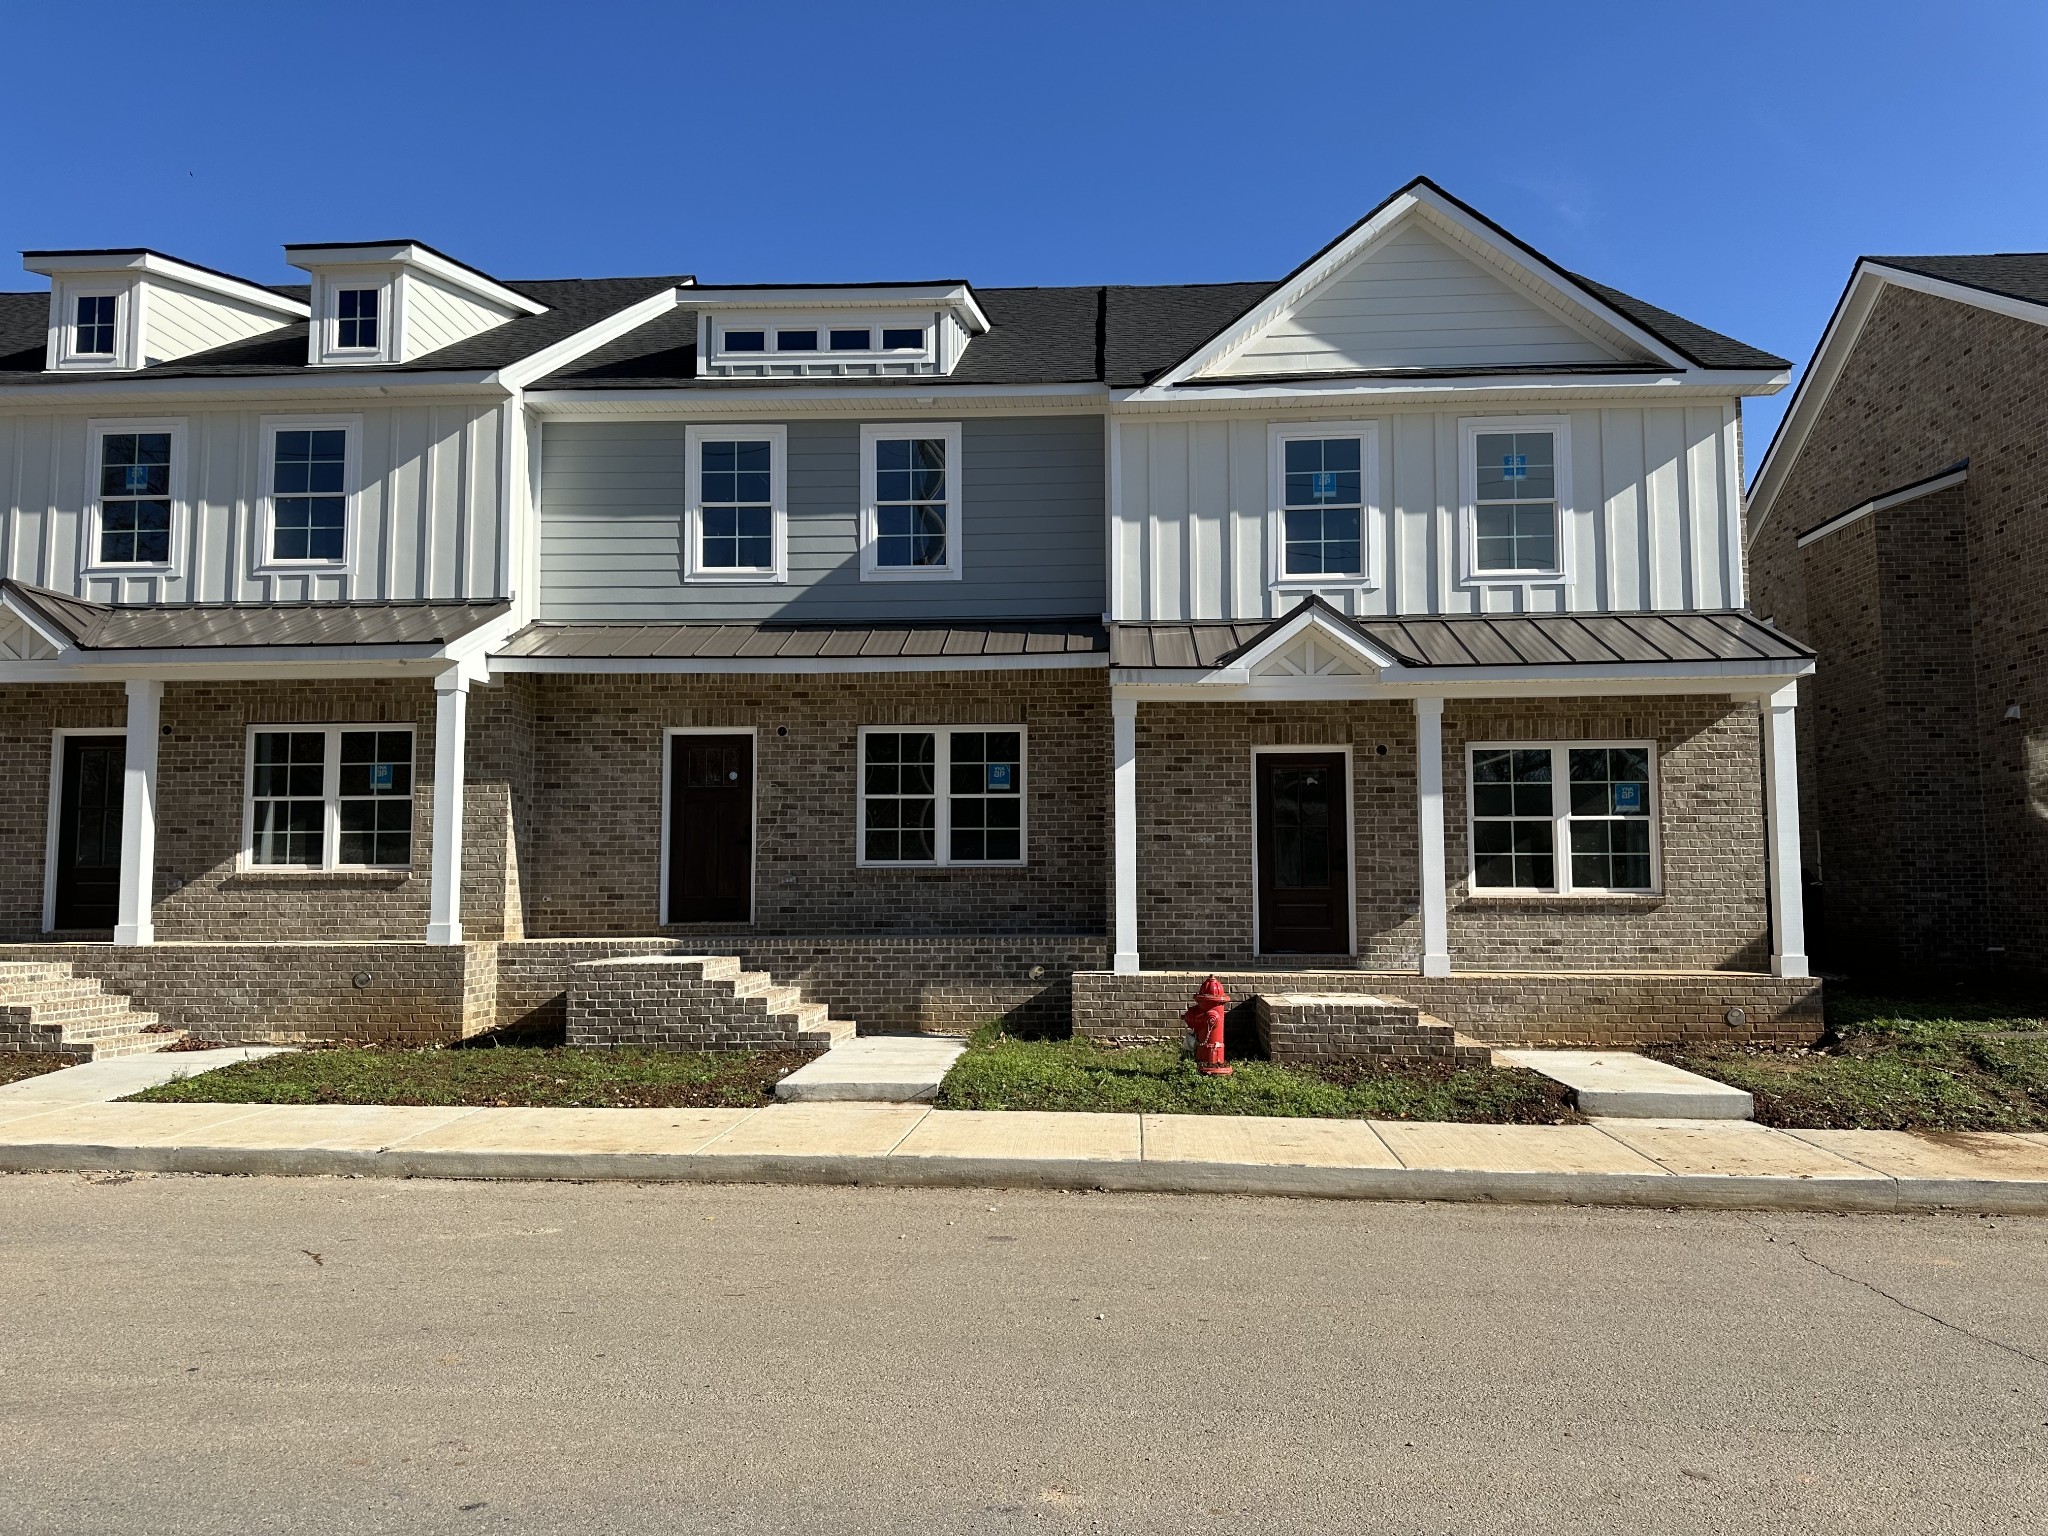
{"points": [[378, 649], [1900, 523]]}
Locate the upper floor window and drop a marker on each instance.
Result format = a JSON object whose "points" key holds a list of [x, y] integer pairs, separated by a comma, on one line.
{"points": [[746, 341], [796, 341], [309, 473], [134, 502], [852, 339], [1516, 484], [910, 514], [1563, 817], [903, 338], [355, 325], [735, 512], [93, 332], [1324, 475]]}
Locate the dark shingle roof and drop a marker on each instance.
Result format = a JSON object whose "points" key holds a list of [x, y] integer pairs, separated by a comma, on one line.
{"points": [[2015, 274], [1484, 640], [732, 642], [1709, 349], [111, 627]]}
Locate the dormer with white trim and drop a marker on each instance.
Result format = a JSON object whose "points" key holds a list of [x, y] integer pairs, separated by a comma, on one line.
{"points": [[394, 301], [116, 311], [905, 329]]}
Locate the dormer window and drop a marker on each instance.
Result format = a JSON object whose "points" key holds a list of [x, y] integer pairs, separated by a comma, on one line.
{"points": [[93, 332], [796, 341], [903, 339], [355, 324], [746, 341], [848, 340]]}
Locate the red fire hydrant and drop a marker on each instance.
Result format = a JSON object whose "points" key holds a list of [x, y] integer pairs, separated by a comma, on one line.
{"points": [[1205, 1025]]}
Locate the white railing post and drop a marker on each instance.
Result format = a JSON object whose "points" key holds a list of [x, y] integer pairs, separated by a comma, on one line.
{"points": [[1429, 800], [133, 923], [1781, 832], [1123, 711], [451, 729]]}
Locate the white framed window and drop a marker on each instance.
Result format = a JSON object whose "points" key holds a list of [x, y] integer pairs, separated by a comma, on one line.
{"points": [[910, 501], [1322, 525], [329, 797], [736, 507], [309, 468], [1561, 818], [358, 314], [1515, 498], [93, 326], [761, 337], [937, 796], [136, 491]]}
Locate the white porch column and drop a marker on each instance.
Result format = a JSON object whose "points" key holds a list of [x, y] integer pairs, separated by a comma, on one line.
{"points": [[1781, 831], [133, 924], [451, 731], [1429, 800], [1123, 711]]}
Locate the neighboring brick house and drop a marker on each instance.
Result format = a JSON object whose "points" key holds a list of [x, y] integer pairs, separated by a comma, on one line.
{"points": [[1899, 524], [375, 650]]}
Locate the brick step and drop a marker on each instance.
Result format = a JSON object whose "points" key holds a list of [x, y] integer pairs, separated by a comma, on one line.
{"points": [[134, 1043], [693, 1002], [28, 972], [1329, 1026], [79, 1011], [63, 989]]}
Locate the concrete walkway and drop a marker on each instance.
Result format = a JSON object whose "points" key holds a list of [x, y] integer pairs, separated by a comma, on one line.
{"points": [[1629, 1085], [99, 1082], [882, 1069], [1610, 1162]]}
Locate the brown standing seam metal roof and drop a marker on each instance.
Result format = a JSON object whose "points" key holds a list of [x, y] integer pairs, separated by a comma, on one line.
{"points": [[1483, 640], [178, 626], [786, 642]]}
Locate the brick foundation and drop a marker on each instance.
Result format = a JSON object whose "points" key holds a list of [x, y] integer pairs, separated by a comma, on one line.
{"points": [[1529, 1008]]}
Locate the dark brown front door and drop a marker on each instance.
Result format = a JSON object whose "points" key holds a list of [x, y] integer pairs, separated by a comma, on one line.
{"points": [[1304, 884], [711, 829], [89, 832]]}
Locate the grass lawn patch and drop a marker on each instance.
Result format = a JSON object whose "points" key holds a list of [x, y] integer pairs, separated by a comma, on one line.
{"points": [[16, 1065], [1898, 1065], [507, 1076], [1000, 1072]]}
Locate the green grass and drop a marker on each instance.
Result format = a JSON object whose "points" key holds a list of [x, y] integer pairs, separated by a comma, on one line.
{"points": [[17, 1065], [522, 1076], [1891, 1064], [1000, 1072]]}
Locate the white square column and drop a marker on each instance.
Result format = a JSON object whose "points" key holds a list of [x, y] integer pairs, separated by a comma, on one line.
{"points": [[1123, 712], [1429, 802], [1781, 832], [133, 923], [451, 733]]}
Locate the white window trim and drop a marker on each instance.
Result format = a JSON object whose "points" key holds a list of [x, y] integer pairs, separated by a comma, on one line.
{"points": [[128, 306], [327, 318], [668, 784], [942, 811], [1560, 820], [1371, 514], [266, 472], [95, 431], [330, 784], [872, 433], [1469, 428], [694, 570]]}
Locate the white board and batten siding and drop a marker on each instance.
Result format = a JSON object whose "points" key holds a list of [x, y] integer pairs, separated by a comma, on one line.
{"points": [[424, 515], [1653, 521]]}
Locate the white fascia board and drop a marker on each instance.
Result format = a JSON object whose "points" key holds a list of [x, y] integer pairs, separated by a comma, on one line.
{"points": [[404, 253], [540, 364], [922, 396], [796, 666], [1883, 503], [957, 296], [154, 264], [231, 664], [1690, 383], [1300, 622], [477, 645], [1745, 679], [260, 386], [41, 627]]}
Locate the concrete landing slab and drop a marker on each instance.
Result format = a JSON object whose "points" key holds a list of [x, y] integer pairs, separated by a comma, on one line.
{"points": [[886, 1069], [1731, 1149], [99, 1082], [1622, 1084]]}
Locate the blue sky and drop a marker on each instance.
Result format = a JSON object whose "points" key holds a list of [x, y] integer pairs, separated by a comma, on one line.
{"points": [[1725, 162]]}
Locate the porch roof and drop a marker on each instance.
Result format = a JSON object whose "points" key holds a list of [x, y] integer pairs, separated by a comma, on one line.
{"points": [[205, 626], [783, 641], [1480, 640]]}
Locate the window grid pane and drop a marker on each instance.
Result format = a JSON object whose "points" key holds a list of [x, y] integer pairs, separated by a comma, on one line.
{"points": [[308, 499], [1516, 511], [135, 505], [986, 802], [94, 334], [288, 799], [1610, 818], [1513, 836], [899, 793], [910, 503], [1323, 501], [356, 318], [375, 796], [736, 507]]}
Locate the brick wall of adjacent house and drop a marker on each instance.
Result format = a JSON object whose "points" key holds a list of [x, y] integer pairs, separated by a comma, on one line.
{"points": [[1929, 381], [590, 864], [1195, 835], [1525, 1008]]}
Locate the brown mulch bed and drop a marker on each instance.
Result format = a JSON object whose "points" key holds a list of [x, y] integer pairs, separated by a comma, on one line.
{"points": [[18, 1065]]}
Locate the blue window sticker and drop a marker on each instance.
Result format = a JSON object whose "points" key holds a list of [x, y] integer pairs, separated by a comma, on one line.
{"points": [[1514, 466], [1325, 482], [380, 775], [138, 477], [998, 775], [1628, 797]]}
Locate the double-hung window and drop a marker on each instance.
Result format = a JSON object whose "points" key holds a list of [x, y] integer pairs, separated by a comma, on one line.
{"points": [[1324, 476], [92, 331], [910, 502], [309, 471], [1517, 490], [942, 795], [134, 465], [1562, 817], [330, 797], [735, 515]]}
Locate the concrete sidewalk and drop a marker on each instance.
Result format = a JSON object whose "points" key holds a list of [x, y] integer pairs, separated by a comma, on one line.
{"points": [[1614, 1162]]}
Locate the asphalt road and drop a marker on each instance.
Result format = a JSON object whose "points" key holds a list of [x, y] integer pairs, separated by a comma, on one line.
{"points": [[182, 1354]]}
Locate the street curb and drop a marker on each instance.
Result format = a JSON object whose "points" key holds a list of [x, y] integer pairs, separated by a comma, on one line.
{"points": [[1883, 1193]]}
